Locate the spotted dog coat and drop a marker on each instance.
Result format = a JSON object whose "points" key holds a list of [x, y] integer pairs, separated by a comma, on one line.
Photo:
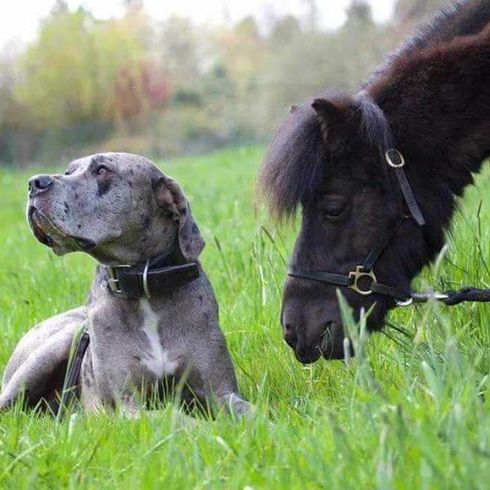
{"points": [[121, 209]]}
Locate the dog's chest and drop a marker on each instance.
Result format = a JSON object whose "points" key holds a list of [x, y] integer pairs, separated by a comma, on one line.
{"points": [[155, 358]]}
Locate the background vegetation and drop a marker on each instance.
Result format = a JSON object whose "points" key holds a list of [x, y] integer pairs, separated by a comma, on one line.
{"points": [[173, 87], [411, 413]]}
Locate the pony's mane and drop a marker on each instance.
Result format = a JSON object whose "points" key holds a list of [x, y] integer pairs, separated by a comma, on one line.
{"points": [[294, 167], [463, 18]]}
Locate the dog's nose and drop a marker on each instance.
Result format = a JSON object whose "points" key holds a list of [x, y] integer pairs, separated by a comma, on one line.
{"points": [[39, 183]]}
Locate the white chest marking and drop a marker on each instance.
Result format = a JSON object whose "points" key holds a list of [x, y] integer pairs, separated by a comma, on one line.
{"points": [[155, 359]]}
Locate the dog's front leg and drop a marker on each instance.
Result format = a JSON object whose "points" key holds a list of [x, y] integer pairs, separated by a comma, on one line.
{"points": [[103, 388], [235, 405], [222, 387], [129, 406]]}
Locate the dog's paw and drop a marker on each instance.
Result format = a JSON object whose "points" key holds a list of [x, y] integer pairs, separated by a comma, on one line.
{"points": [[238, 407]]}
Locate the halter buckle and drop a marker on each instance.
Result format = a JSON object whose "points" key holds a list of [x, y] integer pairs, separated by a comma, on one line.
{"points": [[359, 274]]}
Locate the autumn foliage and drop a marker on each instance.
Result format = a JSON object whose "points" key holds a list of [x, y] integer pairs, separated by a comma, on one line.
{"points": [[163, 88]]}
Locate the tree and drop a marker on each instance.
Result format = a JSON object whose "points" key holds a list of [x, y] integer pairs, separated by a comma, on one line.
{"points": [[69, 73], [411, 11], [285, 30], [179, 53], [359, 11], [312, 15]]}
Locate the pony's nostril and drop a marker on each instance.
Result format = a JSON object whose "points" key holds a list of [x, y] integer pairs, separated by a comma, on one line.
{"points": [[288, 328], [290, 338]]}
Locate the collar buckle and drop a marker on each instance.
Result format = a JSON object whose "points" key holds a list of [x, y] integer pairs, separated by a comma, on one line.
{"points": [[113, 280]]}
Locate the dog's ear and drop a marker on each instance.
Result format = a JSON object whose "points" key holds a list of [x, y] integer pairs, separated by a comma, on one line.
{"points": [[171, 198]]}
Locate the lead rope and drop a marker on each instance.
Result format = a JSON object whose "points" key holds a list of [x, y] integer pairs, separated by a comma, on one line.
{"points": [[451, 298]]}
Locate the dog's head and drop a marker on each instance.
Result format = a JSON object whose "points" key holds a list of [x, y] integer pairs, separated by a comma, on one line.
{"points": [[119, 208]]}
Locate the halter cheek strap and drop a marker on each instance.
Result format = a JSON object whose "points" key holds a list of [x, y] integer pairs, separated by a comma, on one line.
{"points": [[396, 161]]}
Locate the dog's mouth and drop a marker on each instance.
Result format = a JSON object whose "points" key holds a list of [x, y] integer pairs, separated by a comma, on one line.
{"points": [[47, 233], [44, 230]]}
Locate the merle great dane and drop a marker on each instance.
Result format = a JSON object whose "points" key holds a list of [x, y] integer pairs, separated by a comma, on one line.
{"points": [[151, 316]]}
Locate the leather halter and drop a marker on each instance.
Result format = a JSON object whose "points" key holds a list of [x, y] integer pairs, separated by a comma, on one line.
{"points": [[363, 279], [157, 275]]}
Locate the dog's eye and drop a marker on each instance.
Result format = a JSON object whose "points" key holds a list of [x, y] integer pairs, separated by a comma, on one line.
{"points": [[102, 170]]}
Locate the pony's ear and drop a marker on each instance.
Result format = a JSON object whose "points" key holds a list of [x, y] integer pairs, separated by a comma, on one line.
{"points": [[171, 198], [331, 118], [325, 109]]}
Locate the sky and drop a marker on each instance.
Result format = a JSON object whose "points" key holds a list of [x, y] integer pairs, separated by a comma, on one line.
{"points": [[19, 18]]}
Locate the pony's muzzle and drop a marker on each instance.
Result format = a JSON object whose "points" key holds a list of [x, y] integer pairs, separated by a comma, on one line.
{"points": [[302, 336], [311, 321]]}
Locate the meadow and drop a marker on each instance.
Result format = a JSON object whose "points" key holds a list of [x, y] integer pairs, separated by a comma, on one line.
{"points": [[410, 411]]}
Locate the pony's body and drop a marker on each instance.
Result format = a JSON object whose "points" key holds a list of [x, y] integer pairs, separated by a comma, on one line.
{"points": [[433, 94]]}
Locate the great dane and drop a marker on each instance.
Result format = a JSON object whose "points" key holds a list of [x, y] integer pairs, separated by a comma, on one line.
{"points": [[151, 316]]}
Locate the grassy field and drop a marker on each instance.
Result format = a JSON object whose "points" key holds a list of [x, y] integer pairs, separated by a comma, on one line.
{"points": [[412, 412]]}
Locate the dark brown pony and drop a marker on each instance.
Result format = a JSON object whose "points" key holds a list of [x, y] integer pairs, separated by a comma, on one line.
{"points": [[431, 101]]}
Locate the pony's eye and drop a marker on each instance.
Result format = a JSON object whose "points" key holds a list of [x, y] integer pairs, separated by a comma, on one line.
{"points": [[333, 209]]}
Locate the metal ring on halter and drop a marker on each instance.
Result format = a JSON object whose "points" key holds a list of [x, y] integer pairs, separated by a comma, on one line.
{"points": [[440, 296], [423, 298], [404, 304], [146, 289], [393, 154]]}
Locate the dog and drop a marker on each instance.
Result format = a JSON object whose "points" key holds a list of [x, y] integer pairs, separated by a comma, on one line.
{"points": [[150, 324]]}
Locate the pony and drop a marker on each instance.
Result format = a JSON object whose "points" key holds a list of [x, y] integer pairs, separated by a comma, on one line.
{"points": [[377, 175]]}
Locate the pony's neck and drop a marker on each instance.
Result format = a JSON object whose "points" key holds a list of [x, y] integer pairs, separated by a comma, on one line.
{"points": [[436, 102]]}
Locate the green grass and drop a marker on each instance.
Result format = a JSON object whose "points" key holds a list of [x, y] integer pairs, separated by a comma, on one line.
{"points": [[412, 412]]}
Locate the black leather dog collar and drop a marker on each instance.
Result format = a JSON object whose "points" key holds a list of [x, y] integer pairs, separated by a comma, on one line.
{"points": [[160, 274]]}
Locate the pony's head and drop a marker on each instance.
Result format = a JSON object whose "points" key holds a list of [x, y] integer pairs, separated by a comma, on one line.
{"points": [[328, 161]]}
